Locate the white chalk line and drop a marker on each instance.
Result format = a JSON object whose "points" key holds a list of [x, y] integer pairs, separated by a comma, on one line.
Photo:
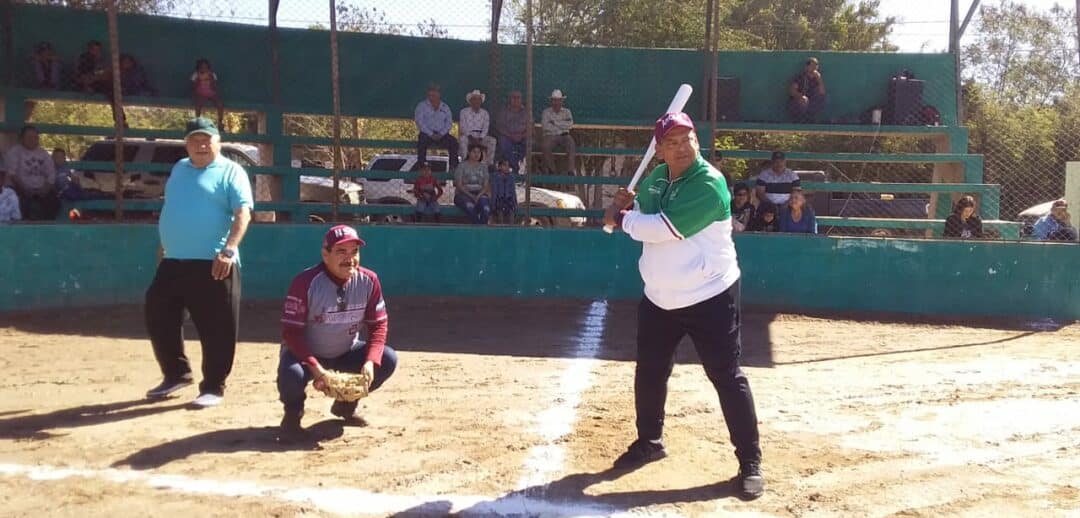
{"points": [[339, 500], [547, 459]]}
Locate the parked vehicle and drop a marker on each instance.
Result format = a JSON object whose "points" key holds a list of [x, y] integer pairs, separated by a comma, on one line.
{"points": [[151, 185], [399, 192]]}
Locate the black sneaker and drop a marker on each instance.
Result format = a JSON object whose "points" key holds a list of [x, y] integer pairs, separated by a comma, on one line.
{"points": [[640, 453], [347, 411], [751, 484], [167, 387]]}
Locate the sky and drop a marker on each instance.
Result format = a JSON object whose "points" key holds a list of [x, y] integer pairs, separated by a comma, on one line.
{"points": [[923, 25]]}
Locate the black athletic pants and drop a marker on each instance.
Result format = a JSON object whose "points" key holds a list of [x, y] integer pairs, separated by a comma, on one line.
{"points": [[214, 307], [714, 327]]}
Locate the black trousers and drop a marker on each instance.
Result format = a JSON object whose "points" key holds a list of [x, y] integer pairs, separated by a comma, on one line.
{"points": [[714, 326], [214, 307]]}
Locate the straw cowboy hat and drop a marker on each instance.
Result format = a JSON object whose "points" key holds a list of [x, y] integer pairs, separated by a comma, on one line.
{"points": [[557, 94], [474, 93]]}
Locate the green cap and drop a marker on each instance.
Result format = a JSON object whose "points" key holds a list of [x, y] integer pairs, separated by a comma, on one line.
{"points": [[201, 125]]}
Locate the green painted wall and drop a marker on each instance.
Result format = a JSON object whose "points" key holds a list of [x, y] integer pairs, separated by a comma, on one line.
{"points": [[63, 265], [385, 76]]}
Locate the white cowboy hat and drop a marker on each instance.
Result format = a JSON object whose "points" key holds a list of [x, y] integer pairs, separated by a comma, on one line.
{"points": [[475, 93], [557, 94]]}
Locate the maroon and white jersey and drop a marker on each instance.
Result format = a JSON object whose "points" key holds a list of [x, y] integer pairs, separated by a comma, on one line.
{"points": [[323, 317]]}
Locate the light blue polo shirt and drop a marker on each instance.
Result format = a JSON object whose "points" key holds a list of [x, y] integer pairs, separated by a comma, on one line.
{"points": [[199, 207]]}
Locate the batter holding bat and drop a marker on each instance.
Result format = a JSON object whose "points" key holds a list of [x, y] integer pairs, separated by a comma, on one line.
{"points": [[681, 213], [327, 306]]}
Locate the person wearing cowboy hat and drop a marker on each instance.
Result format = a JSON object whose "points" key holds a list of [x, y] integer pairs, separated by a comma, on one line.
{"points": [[557, 122], [474, 123]]}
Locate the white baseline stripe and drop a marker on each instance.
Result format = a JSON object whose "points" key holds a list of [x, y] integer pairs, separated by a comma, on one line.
{"points": [[334, 500], [546, 460]]}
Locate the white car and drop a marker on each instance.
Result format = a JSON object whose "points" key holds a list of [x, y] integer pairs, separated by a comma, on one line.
{"points": [[399, 192], [151, 185]]}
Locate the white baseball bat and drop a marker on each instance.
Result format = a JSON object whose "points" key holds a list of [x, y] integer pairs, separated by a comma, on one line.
{"points": [[677, 104]]}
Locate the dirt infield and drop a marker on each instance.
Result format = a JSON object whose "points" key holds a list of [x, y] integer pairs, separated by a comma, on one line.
{"points": [[482, 418]]}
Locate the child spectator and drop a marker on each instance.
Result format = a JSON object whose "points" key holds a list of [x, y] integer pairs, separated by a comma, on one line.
{"points": [[90, 74], [797, 218], [504, 193], [133, 80], [963, 222], [204, 87], [766, 220], [67, 186], [742, 211], [427, 191], [46, 67], [9, 201]]}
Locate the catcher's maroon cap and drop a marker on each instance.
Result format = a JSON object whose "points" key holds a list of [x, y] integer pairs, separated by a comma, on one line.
{"points": [[671, 121], [341, 234]]}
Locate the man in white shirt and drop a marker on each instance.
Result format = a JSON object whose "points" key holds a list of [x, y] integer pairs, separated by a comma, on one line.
{"points": [[557, 121], [474, 124], [33, 174]]}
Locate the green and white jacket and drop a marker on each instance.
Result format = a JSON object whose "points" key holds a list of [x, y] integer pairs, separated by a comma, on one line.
{"points": [[688, 254]]}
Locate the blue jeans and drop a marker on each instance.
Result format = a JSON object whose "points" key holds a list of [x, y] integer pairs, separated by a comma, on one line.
{"points": [[423, 142], [427, 207], [293, 377], [478, 212], [513, 152], [807, 113]]}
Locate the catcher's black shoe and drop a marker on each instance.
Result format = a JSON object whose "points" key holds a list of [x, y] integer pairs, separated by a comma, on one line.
{"points": [[640, 453], [347, 411], [290, 425], [750, 483], [167, 387]]}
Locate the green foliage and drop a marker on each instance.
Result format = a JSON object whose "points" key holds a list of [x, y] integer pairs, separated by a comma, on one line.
{"points": [[744, 24]]}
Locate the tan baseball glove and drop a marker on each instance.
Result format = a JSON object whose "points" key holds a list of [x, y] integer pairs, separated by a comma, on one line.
{"points": [[345, 386]]}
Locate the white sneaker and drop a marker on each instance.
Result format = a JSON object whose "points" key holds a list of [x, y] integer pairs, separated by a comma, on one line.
{"points": [[207, 400]]}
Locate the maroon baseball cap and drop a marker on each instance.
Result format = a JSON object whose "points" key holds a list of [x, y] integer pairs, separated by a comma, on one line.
{"points": [[341, 234], [669, 122], [1059, 204]]}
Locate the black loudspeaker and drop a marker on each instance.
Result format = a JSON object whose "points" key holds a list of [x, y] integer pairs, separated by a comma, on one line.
{"points": [[905, 102], [727, 98]]}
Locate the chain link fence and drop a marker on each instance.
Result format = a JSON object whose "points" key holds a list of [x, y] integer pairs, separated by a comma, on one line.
{"points": [[850, 155]]}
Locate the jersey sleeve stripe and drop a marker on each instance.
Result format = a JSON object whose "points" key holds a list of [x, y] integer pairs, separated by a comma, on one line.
{"points": [[670, 226]]}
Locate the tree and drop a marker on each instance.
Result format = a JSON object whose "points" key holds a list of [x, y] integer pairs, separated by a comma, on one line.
{"points": [[744, 24], [125, 6], [1024, 55]]}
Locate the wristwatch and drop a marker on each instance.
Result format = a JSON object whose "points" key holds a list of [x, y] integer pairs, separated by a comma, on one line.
{"points": [[228, 253]]}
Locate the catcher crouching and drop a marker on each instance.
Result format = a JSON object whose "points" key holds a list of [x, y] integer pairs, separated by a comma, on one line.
{"points": [[326, 308]]}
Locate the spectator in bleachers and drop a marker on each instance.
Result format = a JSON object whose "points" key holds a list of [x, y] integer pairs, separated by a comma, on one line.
{"points": [[90, 72], [963, 222], [806, 93], [9, 201], [504, 193], [765, 220], [434, 120], [556, 122], [33, 175], [46, 67], [1056, 226], [474, 124], [797, 217], [67, 186], [204, 88], [133, 80], [472, 186], [775, 183], [427, 191], [513, 128], [742, 211]]}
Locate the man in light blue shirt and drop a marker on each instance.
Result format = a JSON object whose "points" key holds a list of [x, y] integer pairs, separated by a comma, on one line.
{"points": [[434, 120], [1055, 226], [207, 209]]}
